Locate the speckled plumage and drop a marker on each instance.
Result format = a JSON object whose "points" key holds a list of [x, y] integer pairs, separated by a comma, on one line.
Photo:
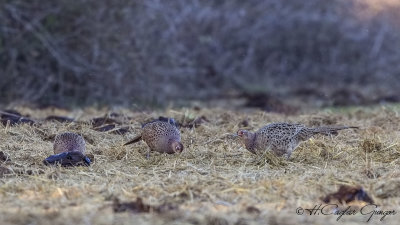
{"points": [[282, 138], [161, 136], [68, 142]]}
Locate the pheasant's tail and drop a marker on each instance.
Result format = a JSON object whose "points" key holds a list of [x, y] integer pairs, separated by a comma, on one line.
{"points": [[331, 130], [134, 140]]}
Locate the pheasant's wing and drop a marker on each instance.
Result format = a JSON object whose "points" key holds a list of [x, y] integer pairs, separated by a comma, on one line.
{"points": [[281, 130], [301, 133]]}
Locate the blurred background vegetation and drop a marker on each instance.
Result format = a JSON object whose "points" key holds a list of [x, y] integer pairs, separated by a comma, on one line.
{"points": [[152, 52]]}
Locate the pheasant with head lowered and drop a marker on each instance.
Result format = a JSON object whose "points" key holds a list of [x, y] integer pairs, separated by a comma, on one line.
{"points": [[69, 149], [282, 138], [161, 135]]}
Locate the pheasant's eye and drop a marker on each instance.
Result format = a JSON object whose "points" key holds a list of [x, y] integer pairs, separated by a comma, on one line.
{"points": [[240, 133]]}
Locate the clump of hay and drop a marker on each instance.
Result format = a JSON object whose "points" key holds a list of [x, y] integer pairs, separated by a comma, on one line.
{"points": [[369, 145], [270, 159]]}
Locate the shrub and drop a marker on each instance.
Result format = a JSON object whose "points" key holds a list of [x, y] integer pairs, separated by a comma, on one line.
{"points": [[150, 52]]}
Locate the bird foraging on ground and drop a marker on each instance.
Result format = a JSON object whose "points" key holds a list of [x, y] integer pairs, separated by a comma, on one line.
{"points": [[69, 150], [282, 138], [161, 135]]}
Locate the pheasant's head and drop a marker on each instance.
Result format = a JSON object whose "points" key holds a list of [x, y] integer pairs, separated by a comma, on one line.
{"points": [[177, 147], [243, 134], [247, 138]]}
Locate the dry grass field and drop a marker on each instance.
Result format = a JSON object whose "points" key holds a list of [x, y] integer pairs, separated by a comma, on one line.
{"points": [[214, 181]]}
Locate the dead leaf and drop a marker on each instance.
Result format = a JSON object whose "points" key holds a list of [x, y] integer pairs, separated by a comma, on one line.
{"points": [[347, 194]]}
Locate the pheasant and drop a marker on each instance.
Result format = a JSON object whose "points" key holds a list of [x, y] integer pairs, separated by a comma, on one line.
{"points": [[69, 149], [161, 135], [282, 138]]}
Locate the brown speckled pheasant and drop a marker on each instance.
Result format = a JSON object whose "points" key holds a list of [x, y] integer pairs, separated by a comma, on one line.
{"points": [[69, 142], [69, 149], [282, 138], [161, 135]]}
